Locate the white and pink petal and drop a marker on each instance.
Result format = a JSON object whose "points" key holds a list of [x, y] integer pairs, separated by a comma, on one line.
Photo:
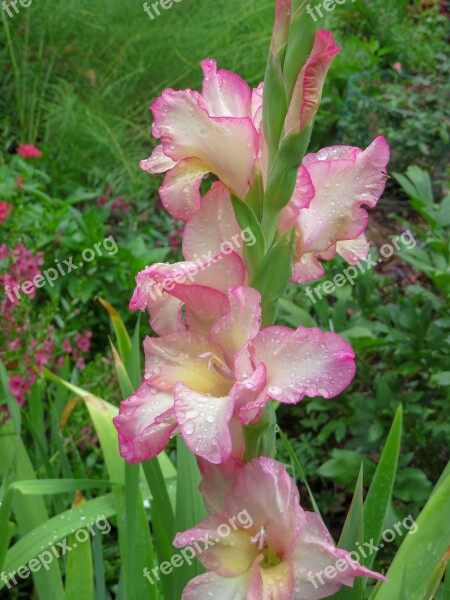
{"points": [[187, 358], [304, 362], [158, 162], [241, 321], [210, 585], [264, 489], [145, 423], [304, 193], [221, 548], [225, 93], [212, 226], [344, 180], [271, 582], [204, 422], [227, 146], [316, 553], [355, 250], [180, 191]]}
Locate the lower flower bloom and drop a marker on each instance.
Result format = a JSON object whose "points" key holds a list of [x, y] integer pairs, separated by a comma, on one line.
{"points": [[280, 553], [196, 383]]}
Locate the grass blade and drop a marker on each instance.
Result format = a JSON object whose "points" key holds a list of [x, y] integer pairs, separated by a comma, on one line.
{"points": [[380, 492], [413, 567], [299, 470], [351, 536]]}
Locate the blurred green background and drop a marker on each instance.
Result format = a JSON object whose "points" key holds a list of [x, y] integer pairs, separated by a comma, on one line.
{"points": [[77, 78]]}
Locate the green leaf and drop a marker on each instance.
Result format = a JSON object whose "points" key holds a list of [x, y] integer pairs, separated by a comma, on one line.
{"points": [[352, 536], [13, 406], [190, 509], [273, 275], [136, 551], [248, 222], [123, 339], [30, 513], [299, 469], [134, 363], [379, 495], [414, 565], [126, 387], [162, 519], [255, 196], [343, 466], [79, 573], [54, 530], [260, 438], [436, 577], [274, 105], [297, 316], [447, 582], [281, 180], [47, 487]]}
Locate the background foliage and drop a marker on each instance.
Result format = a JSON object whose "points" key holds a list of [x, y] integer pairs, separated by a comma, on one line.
{"points": [[77, 79]]}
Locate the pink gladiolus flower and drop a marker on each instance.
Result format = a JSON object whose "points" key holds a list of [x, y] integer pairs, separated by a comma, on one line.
{"points": [[210, 132], [326, 209], [29, 151], [197, 382], [266, 546], [5, 211], [201, 284], [308, 88]]}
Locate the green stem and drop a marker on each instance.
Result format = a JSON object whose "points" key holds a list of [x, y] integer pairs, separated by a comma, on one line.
{"points": [[260, 438]]}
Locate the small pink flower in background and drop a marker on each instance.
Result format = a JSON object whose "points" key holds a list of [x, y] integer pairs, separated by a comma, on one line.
{"points": [[14, 344], [83, 340], [29, 151], [398, 67], [18, 387], [22, 265], [5, 210], [66, 346], [274, 549], [88, 437], [41, 358], [119, 204]]}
